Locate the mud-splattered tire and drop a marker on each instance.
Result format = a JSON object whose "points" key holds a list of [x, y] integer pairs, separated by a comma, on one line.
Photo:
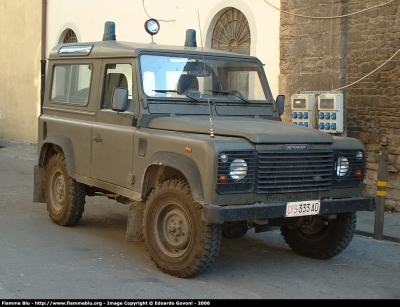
{"points": [[65, 197], [321, 241], [179, 242]]}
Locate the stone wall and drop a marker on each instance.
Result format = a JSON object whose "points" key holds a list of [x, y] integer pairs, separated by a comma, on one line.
{"points": [[313, 50], [321, 54], [373, 103]]}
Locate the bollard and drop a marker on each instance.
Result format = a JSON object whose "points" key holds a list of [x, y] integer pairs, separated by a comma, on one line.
{"points": [[381, 191]]}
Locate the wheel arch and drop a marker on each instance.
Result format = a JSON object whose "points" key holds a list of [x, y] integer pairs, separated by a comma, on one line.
{"points": [[58, 143], [168, 165]]}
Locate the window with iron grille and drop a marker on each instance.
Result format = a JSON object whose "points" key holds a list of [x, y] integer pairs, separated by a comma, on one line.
{"points": [[70, 37]]}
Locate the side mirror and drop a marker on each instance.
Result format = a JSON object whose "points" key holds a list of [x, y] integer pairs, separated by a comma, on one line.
{"points": [[280, 103], [119, 99]]}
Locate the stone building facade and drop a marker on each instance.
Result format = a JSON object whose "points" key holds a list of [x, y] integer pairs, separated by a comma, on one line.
{"points": [[351, 45]]}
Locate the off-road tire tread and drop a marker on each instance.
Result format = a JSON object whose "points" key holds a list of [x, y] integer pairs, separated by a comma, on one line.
{"points": [[76, 195], [210, 241], [339, 234]]}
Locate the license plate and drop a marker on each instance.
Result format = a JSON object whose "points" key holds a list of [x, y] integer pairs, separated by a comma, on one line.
{"points": [[302, 208]]}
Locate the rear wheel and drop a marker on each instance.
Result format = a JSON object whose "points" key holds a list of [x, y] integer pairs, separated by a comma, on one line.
{"points": [[180, 243], [321, 239], [65, 197]]}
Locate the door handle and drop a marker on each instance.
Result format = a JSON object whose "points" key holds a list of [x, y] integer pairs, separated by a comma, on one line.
{"points": [[96, 139]]}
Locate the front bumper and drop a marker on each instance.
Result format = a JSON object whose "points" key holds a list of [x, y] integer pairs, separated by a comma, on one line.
{"points": [[262, 211]]}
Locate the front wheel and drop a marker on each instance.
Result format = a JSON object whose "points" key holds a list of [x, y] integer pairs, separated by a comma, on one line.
{"points": [[180, 243], [65, 197], [321, 239]]}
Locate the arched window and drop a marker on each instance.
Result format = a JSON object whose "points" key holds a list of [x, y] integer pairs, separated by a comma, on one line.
{"points": [[232, 32], [70, 37]]}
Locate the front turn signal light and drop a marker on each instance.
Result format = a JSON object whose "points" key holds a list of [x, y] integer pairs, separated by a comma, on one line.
{"points": [[359, 173], [222, 179]]}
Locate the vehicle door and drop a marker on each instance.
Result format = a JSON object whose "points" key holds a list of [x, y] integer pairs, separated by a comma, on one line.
{"points": [[113, 132]]}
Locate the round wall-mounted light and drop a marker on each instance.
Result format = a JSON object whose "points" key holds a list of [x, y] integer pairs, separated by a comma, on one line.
{"points": [[152, 26]]}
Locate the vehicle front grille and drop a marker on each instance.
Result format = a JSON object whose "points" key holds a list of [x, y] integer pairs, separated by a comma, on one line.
{"points": [[294, 171], [291, 196]]}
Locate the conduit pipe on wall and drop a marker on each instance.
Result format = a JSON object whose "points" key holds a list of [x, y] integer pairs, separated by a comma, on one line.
{"points": [[43, 56]]}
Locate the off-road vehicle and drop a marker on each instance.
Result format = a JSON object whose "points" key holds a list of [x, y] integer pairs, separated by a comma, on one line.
{"points": [[193, 139]]}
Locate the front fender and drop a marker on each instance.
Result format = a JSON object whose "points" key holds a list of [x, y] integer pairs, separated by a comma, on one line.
{"points": [[186, 166]]}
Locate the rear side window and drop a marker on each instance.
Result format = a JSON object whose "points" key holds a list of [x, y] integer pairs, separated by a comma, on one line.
{"points": [[71, 84]]}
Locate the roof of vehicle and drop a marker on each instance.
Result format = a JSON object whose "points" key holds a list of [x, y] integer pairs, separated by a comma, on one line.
{"points": [[111, 48]]}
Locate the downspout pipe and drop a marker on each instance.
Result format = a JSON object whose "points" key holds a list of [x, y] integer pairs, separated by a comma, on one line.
{"points": [[43, 54]]}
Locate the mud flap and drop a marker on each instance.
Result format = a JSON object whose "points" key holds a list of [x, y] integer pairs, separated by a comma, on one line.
{"points": [[134, 230], [38, 184]]}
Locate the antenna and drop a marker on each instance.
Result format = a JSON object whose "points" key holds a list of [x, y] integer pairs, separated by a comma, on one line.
{"points": [[208, 98]]}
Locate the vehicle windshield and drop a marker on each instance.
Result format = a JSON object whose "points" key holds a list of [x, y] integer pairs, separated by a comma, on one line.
{"points": [[197, 78]]}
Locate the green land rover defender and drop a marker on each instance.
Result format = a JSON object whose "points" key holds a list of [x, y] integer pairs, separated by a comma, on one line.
{"points": [[192, 139]]}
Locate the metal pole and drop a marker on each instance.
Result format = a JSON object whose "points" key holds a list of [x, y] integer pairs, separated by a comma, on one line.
{"points": [[381, 191], [42, 82], [43, 56]]}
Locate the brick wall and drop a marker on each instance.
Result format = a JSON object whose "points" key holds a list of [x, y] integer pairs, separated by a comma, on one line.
{"points": [[321, 54]]}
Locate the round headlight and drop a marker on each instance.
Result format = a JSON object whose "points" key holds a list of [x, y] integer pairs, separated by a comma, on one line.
{"points": [[238, 169], [152, 26], [342, 166]]}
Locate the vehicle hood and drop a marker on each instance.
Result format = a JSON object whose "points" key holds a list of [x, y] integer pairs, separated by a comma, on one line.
{"points": [[256, 130]]}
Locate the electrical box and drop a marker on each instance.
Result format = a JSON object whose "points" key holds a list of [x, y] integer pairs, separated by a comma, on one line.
{"points": [[330, 112], [303, 112]]}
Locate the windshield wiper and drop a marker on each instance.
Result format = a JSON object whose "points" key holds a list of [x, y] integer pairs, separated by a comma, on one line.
{"points": [[233, 93], [175, 91]]}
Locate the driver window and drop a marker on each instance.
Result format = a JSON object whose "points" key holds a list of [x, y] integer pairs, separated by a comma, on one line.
{"points": [[117, 75]]}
